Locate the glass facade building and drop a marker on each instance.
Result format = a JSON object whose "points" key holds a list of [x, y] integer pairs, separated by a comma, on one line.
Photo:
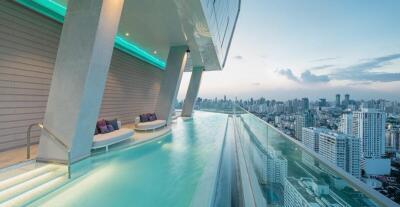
{"points": [[221, 16]]}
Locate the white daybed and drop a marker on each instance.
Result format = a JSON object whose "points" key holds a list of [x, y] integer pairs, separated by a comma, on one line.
{"points": [[105, 140], [149, 125]]}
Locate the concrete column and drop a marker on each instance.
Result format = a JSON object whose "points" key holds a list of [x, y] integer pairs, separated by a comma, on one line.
{"points": [[79, 77], [176, 62], [193, 90]]}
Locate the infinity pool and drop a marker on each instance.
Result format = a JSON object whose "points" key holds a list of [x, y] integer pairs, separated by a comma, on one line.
{"points": [[163, 172]]}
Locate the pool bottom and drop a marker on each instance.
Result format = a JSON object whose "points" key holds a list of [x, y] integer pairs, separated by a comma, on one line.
{"points": [[164, 172]]}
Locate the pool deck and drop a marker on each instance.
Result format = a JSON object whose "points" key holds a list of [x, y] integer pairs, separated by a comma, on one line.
{"points": [[18, 155]]}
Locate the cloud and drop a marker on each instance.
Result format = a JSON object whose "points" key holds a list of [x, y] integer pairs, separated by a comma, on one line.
{"points": [[256, 84], [288, 74], [321, 67], [362, 71], [238, 57], [360, 83], [325, 59], [306, 77]]}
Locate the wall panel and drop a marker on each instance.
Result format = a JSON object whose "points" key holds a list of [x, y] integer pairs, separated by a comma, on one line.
{"points": [[28, 47]]}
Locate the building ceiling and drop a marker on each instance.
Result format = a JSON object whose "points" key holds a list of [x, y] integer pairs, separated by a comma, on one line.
{"points": [[156, 25]]}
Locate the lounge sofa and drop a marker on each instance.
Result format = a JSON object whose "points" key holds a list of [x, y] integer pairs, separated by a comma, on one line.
{"points": [[146, 122], [105, 139]]}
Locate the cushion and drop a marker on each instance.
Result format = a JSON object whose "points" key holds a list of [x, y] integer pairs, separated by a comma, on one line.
{"points": [[152, 117], [113, 123], [101, 122], [110, 128], [144, 118], [103, 129]]}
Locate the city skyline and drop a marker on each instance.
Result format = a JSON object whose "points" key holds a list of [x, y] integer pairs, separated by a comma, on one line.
{"points": [[330, 100], [311, 49]]}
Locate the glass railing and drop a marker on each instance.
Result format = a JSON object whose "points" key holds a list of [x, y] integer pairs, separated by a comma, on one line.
{"points": [[287, 174]]}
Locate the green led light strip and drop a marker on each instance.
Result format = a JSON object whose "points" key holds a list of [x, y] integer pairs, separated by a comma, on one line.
{"points": [[57, 12]]}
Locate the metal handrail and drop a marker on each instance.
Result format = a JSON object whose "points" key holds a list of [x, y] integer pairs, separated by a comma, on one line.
{"points": [[54, 138]]}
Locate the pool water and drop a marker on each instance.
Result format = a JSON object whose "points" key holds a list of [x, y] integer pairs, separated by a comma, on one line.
{"points": [[163, 172]]}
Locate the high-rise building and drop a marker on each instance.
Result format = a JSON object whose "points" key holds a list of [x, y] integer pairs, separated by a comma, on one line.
{"points": [[322, 102], [337, 100], [270, 165], [310, 137], [307, 192], [393, 140], [305, 104], [346, 123], [369, 126], [342, 150], [305, 119], [346, 101]]}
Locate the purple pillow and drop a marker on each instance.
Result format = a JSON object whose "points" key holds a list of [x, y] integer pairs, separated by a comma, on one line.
{"points": [[148, 116], [152, 117], [110, 128], [113, 123], [101, 122], [103, 129], [144, 118]]}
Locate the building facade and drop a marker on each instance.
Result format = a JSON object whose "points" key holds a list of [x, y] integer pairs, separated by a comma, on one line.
{"points": [[310, 137], [342, 150], [337, 100], [369, 127], [306, 192], [346, 123], [306, 119]]}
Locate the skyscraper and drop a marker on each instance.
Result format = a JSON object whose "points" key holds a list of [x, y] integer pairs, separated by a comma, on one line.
{"points": [[305, 104], [346, 123], [306, 119], [308, 192], [342, 150], [322, 102], [310, 137], [369, 126], [337, 102], [392, 139], [346, 101]]}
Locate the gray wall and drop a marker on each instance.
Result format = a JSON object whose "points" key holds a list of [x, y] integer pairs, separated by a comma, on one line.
{"points": [[28, 47]]}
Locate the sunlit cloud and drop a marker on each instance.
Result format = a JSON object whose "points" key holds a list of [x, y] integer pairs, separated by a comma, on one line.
{"points": [[363, 71], [325, 59], [322, 67], [288, 74], [306, 77]]}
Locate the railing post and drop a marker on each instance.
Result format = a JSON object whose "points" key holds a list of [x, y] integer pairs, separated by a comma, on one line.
{"points": [[28, 142], [69, 164], [54, 138]]}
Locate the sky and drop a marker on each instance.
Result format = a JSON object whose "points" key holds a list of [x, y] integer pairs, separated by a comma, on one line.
{"points": [[285, 49]]}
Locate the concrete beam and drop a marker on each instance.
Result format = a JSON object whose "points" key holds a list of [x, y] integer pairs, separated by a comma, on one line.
{"points": [[79, 77], [192, 92], [176, 62]]}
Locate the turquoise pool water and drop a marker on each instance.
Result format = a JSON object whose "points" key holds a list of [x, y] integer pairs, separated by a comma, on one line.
{"points": [[164, 172]]}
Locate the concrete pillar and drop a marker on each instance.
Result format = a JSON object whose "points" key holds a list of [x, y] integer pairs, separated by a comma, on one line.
{"points": [[79, 77], [193, 90], [176, 62]]}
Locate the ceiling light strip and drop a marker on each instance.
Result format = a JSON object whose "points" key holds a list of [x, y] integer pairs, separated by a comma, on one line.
{"points": [[57, 12]]}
